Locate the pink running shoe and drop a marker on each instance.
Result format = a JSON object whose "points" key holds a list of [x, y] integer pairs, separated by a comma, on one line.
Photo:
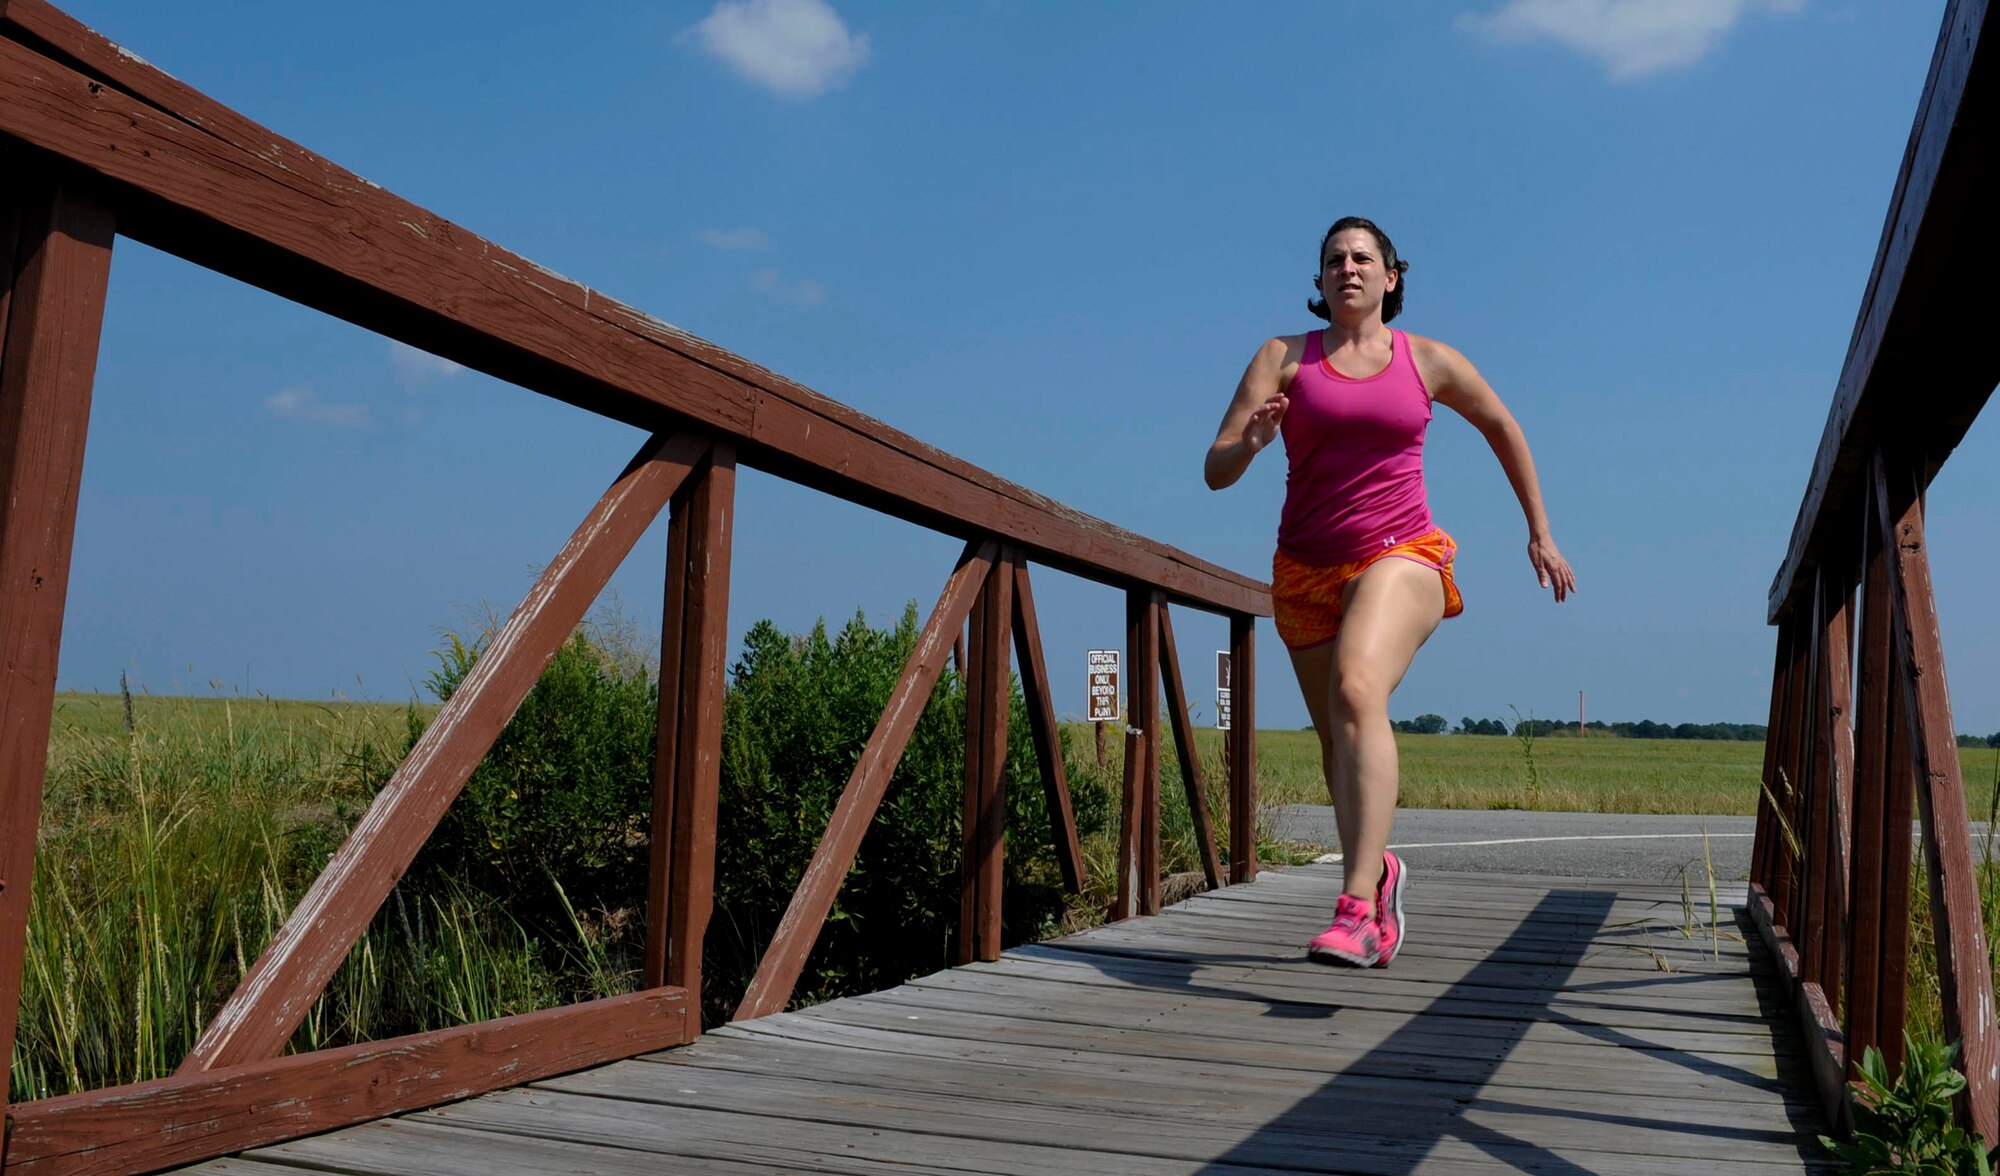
{"points": [[1389, 907], [1353, 939]]}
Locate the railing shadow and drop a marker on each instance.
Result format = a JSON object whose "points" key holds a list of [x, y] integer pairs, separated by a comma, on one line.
{"points": [[1388, 1110]]}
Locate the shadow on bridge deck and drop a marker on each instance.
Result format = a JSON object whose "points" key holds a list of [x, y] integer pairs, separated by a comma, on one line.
{"points": [[1532, 1025]]}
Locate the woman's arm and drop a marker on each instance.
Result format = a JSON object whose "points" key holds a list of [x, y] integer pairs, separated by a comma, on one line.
{"points": [[1457, 385], [1253, 417]]}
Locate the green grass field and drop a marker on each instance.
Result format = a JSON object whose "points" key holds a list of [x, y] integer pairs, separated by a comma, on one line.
{"points": [[1595, 774], [84, 715]]}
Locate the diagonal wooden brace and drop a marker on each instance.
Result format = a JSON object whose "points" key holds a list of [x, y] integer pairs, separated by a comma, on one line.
{"points": [[1035, 700], [771, 989], [1190, 756], [280, 988]]}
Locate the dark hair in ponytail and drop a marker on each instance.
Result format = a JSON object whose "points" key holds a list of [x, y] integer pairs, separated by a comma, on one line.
{"points": [[1392, 302]]}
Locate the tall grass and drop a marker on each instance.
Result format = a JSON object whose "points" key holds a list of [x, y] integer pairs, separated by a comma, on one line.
{"points": [[168, 852], [172, 848], [1924, 1003]]}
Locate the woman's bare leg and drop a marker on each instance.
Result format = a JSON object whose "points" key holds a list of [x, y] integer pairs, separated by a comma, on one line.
{"points": [[1314, 668], [1390, 611]]}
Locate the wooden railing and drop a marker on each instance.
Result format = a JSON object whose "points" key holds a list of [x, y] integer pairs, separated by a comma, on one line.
{"points": [[1861, 726], [95, 144]]}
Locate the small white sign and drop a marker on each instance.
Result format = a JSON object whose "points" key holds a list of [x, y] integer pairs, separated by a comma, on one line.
{"points": [[1102, 670], [1222, 689]]}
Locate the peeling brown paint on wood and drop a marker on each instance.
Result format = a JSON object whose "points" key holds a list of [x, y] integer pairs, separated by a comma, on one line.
{"points": [[55, 264], [1139, 808], [687, 769], [1965, 979], [155, 1124], [984, 810]]}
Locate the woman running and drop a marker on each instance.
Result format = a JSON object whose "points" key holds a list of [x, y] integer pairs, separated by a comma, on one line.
{"points": [[1362, 576]]}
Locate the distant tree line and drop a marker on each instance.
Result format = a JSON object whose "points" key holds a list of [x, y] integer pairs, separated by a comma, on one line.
{"points": [[1992, 740], [1643, 729]]}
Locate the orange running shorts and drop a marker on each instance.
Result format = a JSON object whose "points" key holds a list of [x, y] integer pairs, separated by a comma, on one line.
{"points": [[1306, 599]]}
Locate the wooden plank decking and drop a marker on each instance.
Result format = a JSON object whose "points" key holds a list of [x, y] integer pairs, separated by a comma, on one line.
{"points": [[1532, 1025]]}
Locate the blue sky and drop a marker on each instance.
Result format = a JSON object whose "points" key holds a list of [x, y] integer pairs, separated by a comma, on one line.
{"points": [[1046, 237]]}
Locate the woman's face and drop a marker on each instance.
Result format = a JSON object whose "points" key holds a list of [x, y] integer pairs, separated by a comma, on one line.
{"points": [[1352, 276]]}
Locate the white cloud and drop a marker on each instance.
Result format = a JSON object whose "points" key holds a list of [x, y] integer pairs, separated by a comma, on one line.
{"points": [[1632, 38], [301, 403], [413, 366], [733, 239], [787, 291], [797, 48]]}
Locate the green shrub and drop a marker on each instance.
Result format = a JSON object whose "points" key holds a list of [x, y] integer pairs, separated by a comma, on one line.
{"points": [[564, 796], [563, 804], [798, 714], [1906, 1126]]}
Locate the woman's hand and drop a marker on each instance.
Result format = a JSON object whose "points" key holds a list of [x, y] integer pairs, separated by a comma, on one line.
{"points": [[1550, 567], [1262, 427], [1254, 413]]}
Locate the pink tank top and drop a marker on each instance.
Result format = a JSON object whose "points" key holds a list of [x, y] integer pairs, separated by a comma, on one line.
{"points": [[1355, 454]]}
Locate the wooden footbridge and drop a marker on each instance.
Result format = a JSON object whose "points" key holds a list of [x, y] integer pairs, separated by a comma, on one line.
{"points": [[1536, 1025]]}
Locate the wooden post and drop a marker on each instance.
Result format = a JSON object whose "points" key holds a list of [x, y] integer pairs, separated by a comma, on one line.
{"points": [[1139, 811], [1898, 859], [1878, 960], [1802, 910], [982, 867], [1836, 751], [1965, 980], [1242, 748], [1042, 726], [1785, 783], [1811, 931], [1763, 845], [687, 764], [1146, 679], [55, 262]]}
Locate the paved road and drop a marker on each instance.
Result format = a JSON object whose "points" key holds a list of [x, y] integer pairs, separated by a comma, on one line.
{"points": [[1594, 845]]}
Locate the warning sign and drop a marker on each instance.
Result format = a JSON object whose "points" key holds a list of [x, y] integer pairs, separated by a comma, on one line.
{"points": [[1222, 689], [1102, 665]]}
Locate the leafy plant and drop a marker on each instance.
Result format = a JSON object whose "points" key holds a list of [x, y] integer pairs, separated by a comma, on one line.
{"points": [[798, 713], [562, 801], [1907, 1127], [1524, 731]]}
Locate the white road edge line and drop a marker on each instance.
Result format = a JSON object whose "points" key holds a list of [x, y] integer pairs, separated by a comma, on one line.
{"points": [[1327, 859]]}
